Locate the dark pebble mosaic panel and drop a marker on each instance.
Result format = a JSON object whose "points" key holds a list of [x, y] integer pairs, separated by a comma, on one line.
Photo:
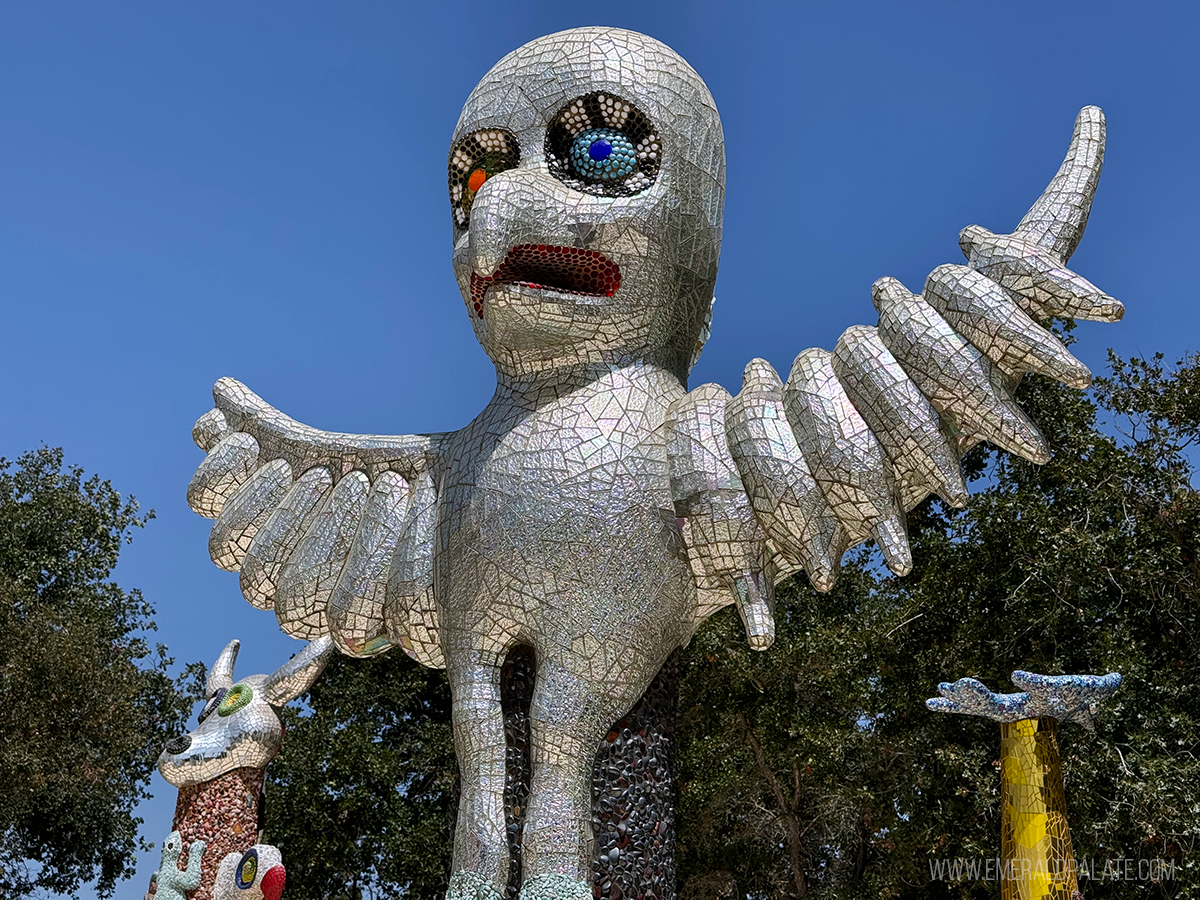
{"points": [[633, 797], [633, 787]]}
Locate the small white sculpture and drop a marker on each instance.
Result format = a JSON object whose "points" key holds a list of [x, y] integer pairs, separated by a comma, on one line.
{"points": [[170, 882], [219, 767], [257, 874]]}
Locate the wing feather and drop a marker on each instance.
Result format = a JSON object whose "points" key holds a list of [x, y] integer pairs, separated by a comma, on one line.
{"points": [[247, 511], [846, 459], [918, 444], [410, 613], [956, 377], [984, 313], [881, 422], [312, 571], [313, 520], [356, 616], [275, 542], [726, 546], [229, 465], [789, 503], [303, 447]]}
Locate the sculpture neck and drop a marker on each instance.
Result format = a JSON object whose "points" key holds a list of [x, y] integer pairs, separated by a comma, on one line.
{"points": [[533, 390]]}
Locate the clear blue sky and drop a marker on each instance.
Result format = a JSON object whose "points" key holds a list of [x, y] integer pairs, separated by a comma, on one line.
{"points": [[258, 190]]}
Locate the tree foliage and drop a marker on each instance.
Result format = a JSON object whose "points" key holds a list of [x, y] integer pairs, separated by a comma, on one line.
{"points": [[362, 797], [85, 701], [814, 769]]}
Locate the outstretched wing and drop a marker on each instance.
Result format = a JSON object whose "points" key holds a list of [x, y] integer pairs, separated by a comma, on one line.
{"points": [[854, 438], [332, 531]]}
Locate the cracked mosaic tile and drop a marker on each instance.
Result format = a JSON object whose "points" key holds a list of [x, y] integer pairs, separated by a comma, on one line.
{"points": [[596, 511]]}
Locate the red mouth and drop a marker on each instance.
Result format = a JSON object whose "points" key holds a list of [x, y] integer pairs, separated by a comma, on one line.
{"points": [[567, 270]]}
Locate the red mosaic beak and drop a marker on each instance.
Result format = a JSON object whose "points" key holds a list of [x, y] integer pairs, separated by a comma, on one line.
{"points": [[272, 882], [567, 270]]}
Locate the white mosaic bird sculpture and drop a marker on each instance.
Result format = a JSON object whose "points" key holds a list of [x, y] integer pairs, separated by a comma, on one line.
{"points": [[595, 510]]}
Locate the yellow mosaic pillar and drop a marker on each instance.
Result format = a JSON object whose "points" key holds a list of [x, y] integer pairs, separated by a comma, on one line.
{"points": [[1036, 858]]}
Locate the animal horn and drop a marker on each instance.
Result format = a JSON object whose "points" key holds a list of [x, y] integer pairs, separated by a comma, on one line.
{"points": [[296, 676], [221, 674]]}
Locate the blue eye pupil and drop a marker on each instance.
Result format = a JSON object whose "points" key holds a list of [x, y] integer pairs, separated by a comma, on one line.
{"points": [[600, 150], [603, 154]]}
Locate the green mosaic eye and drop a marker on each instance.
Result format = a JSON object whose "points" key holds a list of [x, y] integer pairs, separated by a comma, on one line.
{"points": [[239, 695], [247, 869]]}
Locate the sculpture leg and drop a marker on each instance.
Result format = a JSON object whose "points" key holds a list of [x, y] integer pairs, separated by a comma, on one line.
{"points": [[480, 850], [570, 716]]}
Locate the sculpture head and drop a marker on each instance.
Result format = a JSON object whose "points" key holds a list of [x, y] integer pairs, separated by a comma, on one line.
{"points": [[256, 874], [239, 726], [171, 849], [587, 182]]}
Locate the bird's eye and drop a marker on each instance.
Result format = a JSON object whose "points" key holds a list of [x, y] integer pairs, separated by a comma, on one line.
{"points": [[603, 145], [213, 702], [239, 695], [473, 160]]}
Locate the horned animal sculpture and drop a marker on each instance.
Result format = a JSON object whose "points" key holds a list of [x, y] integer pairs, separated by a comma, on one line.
{"points": [[219, 767]]}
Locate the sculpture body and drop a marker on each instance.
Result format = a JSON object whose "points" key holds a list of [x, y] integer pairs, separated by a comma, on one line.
{"points": [[509, 564], [171, 882], [596, 511]]}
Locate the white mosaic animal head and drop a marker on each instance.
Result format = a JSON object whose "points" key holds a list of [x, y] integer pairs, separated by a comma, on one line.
{"points": [[172, 847], [256, 874], [587, 181], [239, 725]]}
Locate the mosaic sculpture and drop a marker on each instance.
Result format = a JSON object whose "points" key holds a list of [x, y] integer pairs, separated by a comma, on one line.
{"points": [[595, 512], [219, 767], [1036, 859], [257, 874], [170, 882]]}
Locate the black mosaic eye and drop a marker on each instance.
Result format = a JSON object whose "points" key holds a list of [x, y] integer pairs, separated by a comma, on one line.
{"points": [[213, 702], [473, 160], [603, 145]]}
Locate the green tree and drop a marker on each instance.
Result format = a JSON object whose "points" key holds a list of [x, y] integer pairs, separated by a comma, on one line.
{"points": [[361, 799], [85, 701]]}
